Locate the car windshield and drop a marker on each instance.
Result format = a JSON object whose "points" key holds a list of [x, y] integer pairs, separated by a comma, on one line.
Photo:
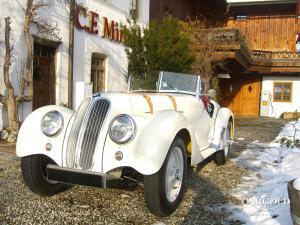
{"points": [[178, 82], [166, 82]]}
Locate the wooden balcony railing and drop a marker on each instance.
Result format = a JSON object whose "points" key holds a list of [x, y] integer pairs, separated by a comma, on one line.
{"points": [[275, 55], [227, 35]]}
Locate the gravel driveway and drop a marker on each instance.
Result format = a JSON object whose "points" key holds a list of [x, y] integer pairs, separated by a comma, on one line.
{"points": [[207, 186]]}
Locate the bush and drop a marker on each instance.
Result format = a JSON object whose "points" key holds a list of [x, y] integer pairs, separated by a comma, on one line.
{"points": [[289, 142], [159, 47]]}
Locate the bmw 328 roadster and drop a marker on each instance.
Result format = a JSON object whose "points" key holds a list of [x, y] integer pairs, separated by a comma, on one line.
{"points": [[155, 133]]}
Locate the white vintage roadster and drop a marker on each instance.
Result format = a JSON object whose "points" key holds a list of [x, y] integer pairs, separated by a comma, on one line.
{"points": [[150, 132]]}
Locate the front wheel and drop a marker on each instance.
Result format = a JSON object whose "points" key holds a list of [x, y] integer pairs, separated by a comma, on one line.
{"points": [[35, 176], [164, 189]]}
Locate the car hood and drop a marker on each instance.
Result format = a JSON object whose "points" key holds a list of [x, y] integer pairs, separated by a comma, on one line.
{"points": [[149, 103]]}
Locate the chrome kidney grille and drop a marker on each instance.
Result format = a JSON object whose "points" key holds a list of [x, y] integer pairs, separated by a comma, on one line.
{"points": [[73, 138], [94, 124], [85, 131]]}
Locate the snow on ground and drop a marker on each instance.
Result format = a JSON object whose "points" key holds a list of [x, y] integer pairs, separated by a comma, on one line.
{"points": [[263, 192]]}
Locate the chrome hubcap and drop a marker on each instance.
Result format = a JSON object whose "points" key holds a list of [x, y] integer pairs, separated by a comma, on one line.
{"points": [[174, 174]]}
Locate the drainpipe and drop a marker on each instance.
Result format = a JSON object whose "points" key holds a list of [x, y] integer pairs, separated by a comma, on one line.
{"points": [[71, 54]]}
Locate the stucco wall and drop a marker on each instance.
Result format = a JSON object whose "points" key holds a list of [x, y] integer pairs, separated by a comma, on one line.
{"points": [[277, 108], [87, 43], [56, 14], [84, 45], [143, 8]]}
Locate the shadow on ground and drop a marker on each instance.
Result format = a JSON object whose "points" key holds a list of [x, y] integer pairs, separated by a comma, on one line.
{"points": [[84, 205], [208, 187], [250, 129]]}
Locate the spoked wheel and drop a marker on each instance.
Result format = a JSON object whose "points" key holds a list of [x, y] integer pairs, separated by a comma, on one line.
{"points": [[220, 156], [164, 189], [35, 175]]}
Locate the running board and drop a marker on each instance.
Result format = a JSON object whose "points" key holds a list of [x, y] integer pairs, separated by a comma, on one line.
{"points": [[207, 152]]}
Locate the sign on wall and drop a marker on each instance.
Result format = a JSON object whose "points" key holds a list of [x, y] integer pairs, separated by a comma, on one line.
{"points": [[298, 42], [91, 22]]}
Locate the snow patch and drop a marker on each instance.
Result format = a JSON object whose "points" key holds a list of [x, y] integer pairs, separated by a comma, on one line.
{"points": [[263, 192], [296, 184]]}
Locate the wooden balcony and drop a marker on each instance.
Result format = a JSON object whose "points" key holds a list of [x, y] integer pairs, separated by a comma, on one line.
{"points": [[227, 45], [236, 54]]}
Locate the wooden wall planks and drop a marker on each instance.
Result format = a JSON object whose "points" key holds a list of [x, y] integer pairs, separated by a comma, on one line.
{"points": [[268, 27]]}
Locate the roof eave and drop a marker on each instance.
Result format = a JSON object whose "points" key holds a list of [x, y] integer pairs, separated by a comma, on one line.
{"points": [[262, 3]]}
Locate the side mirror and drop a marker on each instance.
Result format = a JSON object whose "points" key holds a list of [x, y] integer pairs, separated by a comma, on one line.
{"points": [[212, 93]]}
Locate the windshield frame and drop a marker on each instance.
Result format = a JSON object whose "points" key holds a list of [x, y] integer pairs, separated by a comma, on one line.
{"points": [[196, 94]]}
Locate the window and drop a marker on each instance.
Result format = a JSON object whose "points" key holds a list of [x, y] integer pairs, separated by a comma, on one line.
{"points": [[40, 50], [134, 8], [283, 91], [240, 17], [98, 72]]}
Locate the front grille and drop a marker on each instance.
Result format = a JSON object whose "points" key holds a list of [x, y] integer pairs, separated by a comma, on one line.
{"points": [[74, 134], [94, 124], [84, 133]]}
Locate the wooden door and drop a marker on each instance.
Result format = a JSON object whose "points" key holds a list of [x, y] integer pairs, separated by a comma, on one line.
{"points": [[241, 95], [43, 76]]}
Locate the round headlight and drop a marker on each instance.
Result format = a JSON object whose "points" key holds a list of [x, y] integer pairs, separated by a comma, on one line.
{"points": [[52, 123], [122, 129]]}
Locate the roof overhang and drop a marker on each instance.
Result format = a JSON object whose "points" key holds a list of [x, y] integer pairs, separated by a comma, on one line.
{"points": [[259, 2], [223, 3]]}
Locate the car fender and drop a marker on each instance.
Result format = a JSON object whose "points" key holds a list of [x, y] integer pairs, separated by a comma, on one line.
{"points": [[221, 122], [147, 152], [32, 141]]}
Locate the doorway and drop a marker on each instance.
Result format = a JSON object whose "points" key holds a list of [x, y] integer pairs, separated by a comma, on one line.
{"points": [[43, 76], [241, 94]]}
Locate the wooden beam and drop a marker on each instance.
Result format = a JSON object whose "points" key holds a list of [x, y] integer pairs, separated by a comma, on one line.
{"points": [[266, 69], [239, 56], [277, 64], [223, 55]]}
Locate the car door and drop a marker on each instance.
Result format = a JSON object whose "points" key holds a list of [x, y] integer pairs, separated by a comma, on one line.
{"points": [[205, 123], [213, 111]]}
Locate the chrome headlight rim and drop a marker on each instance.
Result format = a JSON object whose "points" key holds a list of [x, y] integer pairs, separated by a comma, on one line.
{"points": [[132, 134], [58, 131]]}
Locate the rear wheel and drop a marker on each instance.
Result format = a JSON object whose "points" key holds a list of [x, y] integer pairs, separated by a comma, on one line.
{"points": [[164, 189], [220, 156], [35, 175]]}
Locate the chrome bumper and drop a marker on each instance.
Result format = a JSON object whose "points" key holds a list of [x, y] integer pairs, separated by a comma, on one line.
{"points": [[75, 176]]}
